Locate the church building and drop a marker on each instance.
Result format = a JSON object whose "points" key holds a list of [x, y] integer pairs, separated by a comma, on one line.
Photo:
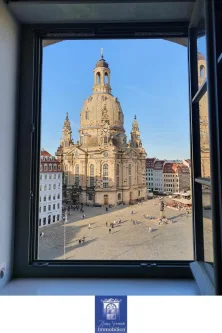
{"points": [[103, 167]]}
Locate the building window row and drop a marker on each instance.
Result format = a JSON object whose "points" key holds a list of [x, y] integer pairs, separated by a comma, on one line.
{"points": [[50, 167], [49, 187], [50, 207], [44, 219], [54, 176], [49, 197]]}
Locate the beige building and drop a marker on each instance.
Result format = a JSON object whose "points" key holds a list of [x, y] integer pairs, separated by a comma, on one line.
{"points": [[102, 164], [176, 177], [203, 109]]}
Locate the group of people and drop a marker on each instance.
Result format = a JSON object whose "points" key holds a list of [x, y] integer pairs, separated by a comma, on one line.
{"points": [[112, 225]]}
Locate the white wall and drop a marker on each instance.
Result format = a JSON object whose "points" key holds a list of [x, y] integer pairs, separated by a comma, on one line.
{"points": [[9, 31]]}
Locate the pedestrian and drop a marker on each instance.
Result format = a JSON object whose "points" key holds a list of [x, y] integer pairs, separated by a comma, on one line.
{"points": [[89, 226], [83, 239], [132, 212], [110, 230], [106, 209], [79, 241], [150, 229], [107, 224]]}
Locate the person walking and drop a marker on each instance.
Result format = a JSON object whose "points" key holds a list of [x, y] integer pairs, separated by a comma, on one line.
{"points": [[132, 212], [110, 230], [89, 226], [162, 212]]}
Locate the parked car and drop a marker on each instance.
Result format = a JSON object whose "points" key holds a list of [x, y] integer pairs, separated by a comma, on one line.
{"points": [[97, 205]]}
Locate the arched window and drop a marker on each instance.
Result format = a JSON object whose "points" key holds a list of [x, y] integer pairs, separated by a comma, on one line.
{"points": [[105, 140], [77, 175], [106, 78], [130, 175], [105, 176], [202, 71], [119, 115], [91, 172], [87, 115], [117, 170], [117, 175], [98, 78], [119, 196]]}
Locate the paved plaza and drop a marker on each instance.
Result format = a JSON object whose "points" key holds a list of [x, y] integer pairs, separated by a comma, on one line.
{"points": [[127, 241]]}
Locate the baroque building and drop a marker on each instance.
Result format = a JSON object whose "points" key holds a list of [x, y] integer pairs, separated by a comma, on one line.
{"points": [[50, 190], [102, 166], [204, 126]]}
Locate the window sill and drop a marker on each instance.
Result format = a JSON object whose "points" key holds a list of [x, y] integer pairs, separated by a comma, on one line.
{"points": [[76, 287]]}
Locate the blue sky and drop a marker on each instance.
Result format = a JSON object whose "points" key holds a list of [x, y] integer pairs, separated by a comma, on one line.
{"points": [[149, 77]]}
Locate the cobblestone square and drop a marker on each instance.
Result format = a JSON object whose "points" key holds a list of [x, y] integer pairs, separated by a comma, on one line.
{"points": [[127, 241]]}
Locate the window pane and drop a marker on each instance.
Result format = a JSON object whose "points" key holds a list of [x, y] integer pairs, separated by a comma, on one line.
{"points": [[201, 50], [207, 224], [110, 163], [204, 137]]}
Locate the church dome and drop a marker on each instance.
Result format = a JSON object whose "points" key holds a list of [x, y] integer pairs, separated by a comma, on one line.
{"points": [[100, 108], [102, 63]]}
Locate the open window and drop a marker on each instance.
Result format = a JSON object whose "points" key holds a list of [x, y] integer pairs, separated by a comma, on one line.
{"points": [[127, 182]]}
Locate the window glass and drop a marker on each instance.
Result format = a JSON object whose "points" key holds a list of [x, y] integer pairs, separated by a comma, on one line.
{"points": [[207, 223], [130, 159], [204, 137]]}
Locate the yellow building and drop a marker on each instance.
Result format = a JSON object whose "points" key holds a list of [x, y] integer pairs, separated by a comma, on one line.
{"points": [[203, 109], [106, 167]]}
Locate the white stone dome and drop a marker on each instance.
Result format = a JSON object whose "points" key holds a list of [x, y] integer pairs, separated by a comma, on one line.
{"points": [[101, 108]]}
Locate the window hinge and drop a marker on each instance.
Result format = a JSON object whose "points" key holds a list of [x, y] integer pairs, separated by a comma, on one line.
{"points": [[40, 264], [144, 264]]}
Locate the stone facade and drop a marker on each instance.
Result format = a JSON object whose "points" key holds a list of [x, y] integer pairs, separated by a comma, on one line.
{"points": [[106, 167]]}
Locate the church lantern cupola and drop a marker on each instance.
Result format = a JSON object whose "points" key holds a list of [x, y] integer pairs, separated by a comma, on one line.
{"points": [[102, 76]]}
